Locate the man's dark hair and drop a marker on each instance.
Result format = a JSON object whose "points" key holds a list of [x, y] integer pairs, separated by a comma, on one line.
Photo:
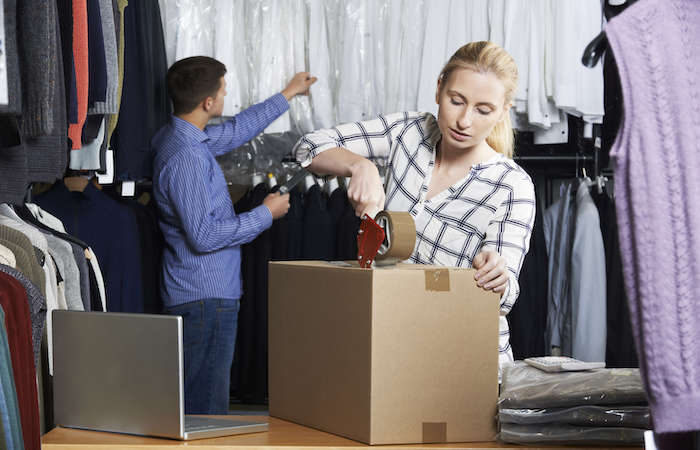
{"points": [[191, 80]]}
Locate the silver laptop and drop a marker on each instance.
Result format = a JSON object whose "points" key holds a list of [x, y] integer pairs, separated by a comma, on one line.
{"points": [[124, 373]]}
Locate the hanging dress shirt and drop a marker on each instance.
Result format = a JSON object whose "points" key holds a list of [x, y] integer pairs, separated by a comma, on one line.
{"points": [[320, 66], [230, 49], [558, 231], [411, 48], [588, 287], [434, 54], [577, 89]]}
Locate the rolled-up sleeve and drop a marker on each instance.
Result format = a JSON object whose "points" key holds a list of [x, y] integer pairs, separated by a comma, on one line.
{"points": [[370, 139]]}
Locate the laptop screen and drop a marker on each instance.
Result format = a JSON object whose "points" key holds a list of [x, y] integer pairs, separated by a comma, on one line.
{"points": [[118, 372]]}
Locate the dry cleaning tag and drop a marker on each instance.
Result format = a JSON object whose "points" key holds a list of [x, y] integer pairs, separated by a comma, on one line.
{"points": [[108, 176], [128, 188], [649, 442]]}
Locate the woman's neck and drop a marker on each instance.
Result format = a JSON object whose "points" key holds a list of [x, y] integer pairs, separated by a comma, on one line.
{"points": [[464, 158]]}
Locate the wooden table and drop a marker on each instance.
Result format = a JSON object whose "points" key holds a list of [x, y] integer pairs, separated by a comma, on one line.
{"points": [[281, 434]]}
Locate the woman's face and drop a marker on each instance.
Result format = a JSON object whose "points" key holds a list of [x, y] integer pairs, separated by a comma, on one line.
{"points": [[470, 105]]}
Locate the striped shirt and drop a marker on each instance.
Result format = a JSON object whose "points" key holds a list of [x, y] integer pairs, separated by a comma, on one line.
{"points": [[203, 233], [491, 208]]}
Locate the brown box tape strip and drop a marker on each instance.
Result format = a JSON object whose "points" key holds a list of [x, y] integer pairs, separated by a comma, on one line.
{"points": [[434, 432], [437, 280]]}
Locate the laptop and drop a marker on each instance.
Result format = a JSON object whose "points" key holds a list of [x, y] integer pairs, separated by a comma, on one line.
{"points": [[124, 373]]}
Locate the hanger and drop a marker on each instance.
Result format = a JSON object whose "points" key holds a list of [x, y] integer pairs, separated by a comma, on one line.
{"points": [[331, 185], [594, 50], [76, 183], [309, 182]]}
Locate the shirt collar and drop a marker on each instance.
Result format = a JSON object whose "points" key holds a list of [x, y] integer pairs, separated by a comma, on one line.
{"points": [[188, 129], [489, 162], [90, 192]]}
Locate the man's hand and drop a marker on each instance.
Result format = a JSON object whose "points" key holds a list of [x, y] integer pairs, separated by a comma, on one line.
{"points": [[365, 192], [492, 273], [277, 204], [299, 85]]}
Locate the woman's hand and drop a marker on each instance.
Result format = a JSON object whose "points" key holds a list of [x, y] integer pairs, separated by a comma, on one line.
{"points": [[366, 193], [492, 272]]}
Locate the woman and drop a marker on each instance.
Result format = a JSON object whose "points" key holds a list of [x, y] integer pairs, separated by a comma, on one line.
{"points": [[473, 206]]}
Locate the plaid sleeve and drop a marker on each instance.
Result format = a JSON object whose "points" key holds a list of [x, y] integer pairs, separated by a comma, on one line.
{"points": [[508, 232], [370, 138]]}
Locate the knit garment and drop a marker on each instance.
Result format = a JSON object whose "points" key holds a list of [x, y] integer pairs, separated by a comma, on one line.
{"points": [[43, 119], [109, 36], [14, 92], [80, 56], [97, 73], [121, 5], [656, 44], [37, 42], [13, 162], [47, 154]]}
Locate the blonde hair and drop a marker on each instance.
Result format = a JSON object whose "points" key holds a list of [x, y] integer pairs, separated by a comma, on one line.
{"points": [[487, 57]]}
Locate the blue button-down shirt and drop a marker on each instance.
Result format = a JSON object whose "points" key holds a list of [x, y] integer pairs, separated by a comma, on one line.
{"points": [[203, 233]]}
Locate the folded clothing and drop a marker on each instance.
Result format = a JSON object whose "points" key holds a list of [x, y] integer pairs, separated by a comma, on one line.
{"points": [[589, 416], [569, 434], [524, 386]]}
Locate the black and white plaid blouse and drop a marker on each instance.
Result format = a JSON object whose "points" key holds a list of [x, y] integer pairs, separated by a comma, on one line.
{"points": [[491, 208]]}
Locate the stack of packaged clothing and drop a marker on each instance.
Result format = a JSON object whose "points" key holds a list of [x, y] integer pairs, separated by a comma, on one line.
{"points": [[593, 407]]}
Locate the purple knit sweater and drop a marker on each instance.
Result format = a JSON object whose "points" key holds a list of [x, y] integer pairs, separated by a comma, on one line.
{"points": [[656, 44]]}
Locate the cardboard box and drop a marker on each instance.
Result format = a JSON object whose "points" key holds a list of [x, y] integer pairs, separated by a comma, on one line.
{"points": [[407, 354]]}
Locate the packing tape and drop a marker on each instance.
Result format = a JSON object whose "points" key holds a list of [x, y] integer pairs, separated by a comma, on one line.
{"points": [[400, 235], [434, 432], [437, 280]]}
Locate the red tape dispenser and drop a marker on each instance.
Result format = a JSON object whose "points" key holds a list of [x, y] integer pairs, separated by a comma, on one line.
{"points": [[389, 238], [369, 238]]}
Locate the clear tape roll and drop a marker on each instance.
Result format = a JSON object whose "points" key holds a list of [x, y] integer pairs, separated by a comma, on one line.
{"points": [[400, 236]]}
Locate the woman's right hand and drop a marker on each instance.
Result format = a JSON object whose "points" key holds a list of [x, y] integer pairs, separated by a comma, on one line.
{"points": [[365, 192]]}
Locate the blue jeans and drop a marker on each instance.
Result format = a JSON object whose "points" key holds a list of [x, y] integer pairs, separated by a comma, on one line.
{"points": [[209, 342]]}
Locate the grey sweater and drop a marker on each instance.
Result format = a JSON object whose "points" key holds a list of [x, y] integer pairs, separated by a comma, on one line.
{"points": [[14, 106], [109, 106], [44, 126]]}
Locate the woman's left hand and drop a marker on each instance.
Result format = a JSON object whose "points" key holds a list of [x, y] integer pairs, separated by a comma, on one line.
{"points": [[492, 272]]}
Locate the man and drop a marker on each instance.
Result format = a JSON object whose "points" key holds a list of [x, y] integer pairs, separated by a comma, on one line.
{"points": [[201, 263]]}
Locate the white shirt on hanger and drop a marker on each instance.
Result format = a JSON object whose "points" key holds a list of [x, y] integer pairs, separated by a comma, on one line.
{"points": [[577, 89], [496, 21], [413, 12], [354, 90], [433, 57], [297, 38], [517, 43], [321, 95], [478, 28], [270, 73], [230, 49]]}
